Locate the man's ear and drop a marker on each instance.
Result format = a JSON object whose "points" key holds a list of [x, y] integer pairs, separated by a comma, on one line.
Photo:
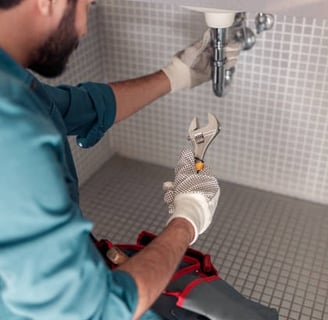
{"points": [[45, 6]]}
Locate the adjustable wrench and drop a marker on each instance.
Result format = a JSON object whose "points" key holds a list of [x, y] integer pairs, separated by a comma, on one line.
{"points": [[202, 137]]}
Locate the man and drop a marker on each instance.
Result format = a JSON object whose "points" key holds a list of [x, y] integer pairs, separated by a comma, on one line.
{"points": [[49, 268]]}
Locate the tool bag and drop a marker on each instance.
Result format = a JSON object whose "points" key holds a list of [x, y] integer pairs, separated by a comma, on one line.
{"points": [[196, 291]]}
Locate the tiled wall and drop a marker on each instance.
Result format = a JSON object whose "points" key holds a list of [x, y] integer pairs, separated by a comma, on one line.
{"points": [[274, 120]]}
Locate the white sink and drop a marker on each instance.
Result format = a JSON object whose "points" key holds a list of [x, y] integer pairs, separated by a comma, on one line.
{"points": [[301, 8]]}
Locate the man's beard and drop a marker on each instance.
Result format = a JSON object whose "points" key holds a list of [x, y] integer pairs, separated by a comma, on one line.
{"points": [[50, 59]]}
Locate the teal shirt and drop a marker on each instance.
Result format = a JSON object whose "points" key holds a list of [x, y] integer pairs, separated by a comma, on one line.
{"points": [[49, 269]]}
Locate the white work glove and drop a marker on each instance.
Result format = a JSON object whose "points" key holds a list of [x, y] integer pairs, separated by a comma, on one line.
{"points": [[192, 196], [232, 51], [193, 65]]}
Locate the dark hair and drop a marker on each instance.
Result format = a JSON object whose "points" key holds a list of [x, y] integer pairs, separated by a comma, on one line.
{"points": [[6, 4]]}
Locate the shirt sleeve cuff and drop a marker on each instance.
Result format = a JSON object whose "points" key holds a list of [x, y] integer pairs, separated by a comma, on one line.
{"points": [[104, 102]]}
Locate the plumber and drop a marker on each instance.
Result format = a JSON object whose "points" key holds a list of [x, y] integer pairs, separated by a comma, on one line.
{"points": [[49, 267]]}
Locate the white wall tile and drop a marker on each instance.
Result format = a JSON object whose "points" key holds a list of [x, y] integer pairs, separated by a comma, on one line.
{"points": [[274, 120]]}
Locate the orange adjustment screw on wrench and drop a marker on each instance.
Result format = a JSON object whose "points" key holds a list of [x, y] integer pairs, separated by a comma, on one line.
{"points": [[202, 137]]}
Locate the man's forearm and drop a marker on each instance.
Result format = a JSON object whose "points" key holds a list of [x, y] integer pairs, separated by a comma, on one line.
{"points": [[132, 95], [153, 267]]}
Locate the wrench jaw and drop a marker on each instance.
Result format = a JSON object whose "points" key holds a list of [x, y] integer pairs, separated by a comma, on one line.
{"points": [[201, 138], [213, 124], [194, 125]]}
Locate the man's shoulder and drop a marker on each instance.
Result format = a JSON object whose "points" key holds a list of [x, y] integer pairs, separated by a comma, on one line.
{"points": [[14, 89], [21, 114]]}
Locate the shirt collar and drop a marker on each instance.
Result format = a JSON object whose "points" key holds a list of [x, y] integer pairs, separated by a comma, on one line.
{"points": [[9, 65]]}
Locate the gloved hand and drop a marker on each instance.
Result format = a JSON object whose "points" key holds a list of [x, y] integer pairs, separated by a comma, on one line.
{"points": [[192, 196], [193, 65], [231, 50]]}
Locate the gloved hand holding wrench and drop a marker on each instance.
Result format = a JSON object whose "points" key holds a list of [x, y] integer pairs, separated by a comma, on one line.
{"points": [[195, 191]]}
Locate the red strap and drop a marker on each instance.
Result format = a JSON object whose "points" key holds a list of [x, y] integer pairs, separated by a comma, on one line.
{"points": [[182, 296]]}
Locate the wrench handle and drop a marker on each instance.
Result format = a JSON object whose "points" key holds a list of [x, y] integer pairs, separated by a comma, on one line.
{"points": [[199, 165]]}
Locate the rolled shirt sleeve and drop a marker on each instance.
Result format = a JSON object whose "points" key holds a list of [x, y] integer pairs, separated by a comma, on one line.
{"points": [[88, 109]]}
